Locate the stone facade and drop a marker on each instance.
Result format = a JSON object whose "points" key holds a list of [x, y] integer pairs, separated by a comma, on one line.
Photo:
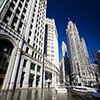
{"points": [[64, 58], [95, 75], [79, 59], [64, 65], [51, 61], [22, 30]]}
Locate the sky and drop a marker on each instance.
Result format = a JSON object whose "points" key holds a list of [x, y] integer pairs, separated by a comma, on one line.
{"points": [[86, 15]]}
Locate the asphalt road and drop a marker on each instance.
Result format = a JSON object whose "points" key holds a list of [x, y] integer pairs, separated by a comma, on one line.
{"points": [[82, 96]]}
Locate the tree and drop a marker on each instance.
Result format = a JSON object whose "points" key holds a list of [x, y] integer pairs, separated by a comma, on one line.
{"points": [[93, 56]]}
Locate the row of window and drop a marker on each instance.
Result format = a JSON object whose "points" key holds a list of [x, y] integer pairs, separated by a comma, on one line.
{"points": [[32, 21], [39, 49], [32, 66], [34, 55], [31, 80], [16, 15], [38, 31], [38, 38]]}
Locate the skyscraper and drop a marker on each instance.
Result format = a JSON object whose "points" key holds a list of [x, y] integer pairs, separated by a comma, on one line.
{"points": [[64, 65], [63, 61], [51, 61], [79, 59], [52, 42], [98, 59], [22, 29]]}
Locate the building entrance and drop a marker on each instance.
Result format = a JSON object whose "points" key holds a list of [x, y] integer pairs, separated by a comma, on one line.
{"points": [[48, 78], [6, 48]]}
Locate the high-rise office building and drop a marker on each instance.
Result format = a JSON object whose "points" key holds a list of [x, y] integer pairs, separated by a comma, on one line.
{"points": [[79, 59], [51, 61], [52, 41], [64, 65], [98, 59], [64, 60], [22, 30]]}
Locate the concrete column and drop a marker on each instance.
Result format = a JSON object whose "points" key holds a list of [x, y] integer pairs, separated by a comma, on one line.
{"points": [[27, 73], [44, 65], [18, 55], [44, 83], [9, 70], [14, 70], [53, 79], [63, 67], [34, 83], [40, 83], [19, 74]]}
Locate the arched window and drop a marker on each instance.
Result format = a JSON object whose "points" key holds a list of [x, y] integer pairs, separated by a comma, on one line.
{"points": [[6, 48]]}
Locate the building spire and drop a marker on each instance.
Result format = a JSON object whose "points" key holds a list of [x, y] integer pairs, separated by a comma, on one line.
{"points": [[70, 24]]}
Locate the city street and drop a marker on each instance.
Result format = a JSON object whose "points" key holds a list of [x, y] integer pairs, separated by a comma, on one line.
{"points": [[45, 94], [82, 96]]}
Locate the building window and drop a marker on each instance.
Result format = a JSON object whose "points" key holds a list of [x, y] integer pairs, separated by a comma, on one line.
{"points": [[22, 78], [8, 14], [28, 41], [33, 45], [37, 40], [12, 5], [30, 33], [35, 1], [24, 63], [52, 51], [32, 53], [22, 16], [26, 5], [51, 59], [35, 55], [36, 47], [20, 5], [31, 79], [33, 14], [32, 66], [37, 80], [24, 10], [18, 11], [27, 0], [32, 20], [52, 55], [34, 38], [38, 68], [34, 10], [27, 49], [31, 26], [38, 57]]}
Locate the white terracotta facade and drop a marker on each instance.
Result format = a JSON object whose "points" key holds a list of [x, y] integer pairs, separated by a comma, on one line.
{"points": [[51, 61], [22, 25], [79, 59]]}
